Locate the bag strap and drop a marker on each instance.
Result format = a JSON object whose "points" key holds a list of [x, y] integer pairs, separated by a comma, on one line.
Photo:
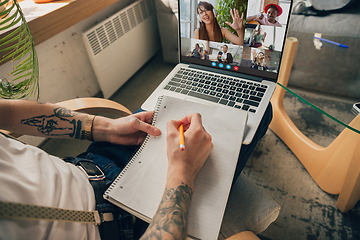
{"points": [[10, 210]]}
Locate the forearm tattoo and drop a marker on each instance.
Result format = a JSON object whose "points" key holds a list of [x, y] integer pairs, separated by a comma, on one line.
{"points": [[60, 123], [170, 220]]}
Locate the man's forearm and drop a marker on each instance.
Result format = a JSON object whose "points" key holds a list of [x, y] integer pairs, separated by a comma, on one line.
{"points": [[250, 18], [46, 120], [170, 220]]}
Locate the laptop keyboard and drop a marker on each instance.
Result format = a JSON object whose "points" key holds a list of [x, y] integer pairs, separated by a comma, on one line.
{"points": [[233, 92]]}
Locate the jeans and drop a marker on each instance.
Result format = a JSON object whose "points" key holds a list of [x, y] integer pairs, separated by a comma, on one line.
{"points": [[112, 158], [246, 150]]}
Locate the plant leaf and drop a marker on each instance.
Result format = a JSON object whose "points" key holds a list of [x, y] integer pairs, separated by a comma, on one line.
{"points": [[19, 71], [22, 50], [22, 76], [4, 2], [7, 12], [13, 23], [11, 35]]}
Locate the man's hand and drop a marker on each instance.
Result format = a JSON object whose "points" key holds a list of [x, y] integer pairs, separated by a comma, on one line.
{"points": [[259, 17], [170, 220], [185, 165], [129, 130]]}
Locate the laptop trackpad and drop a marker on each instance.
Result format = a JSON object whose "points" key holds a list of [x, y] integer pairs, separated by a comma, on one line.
{"points": [[201, 101]]}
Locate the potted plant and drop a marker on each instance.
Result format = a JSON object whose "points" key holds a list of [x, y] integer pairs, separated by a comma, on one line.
{"points": [[17, 46]]}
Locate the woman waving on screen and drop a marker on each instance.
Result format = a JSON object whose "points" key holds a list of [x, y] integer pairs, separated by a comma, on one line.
{"points": [[210, 29]]}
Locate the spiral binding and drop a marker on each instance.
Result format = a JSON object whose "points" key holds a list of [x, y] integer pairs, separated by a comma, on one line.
{"points": [[154, 117]]}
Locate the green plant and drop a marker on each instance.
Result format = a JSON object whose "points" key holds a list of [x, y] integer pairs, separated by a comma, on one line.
{"points": [[223, 8], [18, 46]]}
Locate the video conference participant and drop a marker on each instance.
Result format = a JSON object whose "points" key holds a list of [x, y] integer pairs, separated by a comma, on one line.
{"points": [[258, 61], [196, 52], [225, 56], [272, 11], [258, 38], [210, 29]]}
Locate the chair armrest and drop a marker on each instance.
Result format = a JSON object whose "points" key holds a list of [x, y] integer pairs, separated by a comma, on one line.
{"points": [[96, 106]]}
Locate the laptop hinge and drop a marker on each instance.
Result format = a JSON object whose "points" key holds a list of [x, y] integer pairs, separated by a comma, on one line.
{"points": [[220, 71]]}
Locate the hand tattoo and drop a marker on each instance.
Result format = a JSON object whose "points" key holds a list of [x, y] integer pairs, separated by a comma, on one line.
{"points": [[57, 124], [170, 220]]}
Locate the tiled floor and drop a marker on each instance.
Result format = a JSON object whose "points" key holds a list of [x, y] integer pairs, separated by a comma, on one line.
{"points": [[307, 212]]}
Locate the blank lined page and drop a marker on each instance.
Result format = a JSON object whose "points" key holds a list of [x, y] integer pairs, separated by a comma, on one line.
{"points": [[140, 187]]}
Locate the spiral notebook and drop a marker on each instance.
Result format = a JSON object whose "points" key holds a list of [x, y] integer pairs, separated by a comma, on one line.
{"points": [[140, 186]]}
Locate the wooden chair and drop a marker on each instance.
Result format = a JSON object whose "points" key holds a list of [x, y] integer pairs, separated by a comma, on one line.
{"points": [[336, 168]]}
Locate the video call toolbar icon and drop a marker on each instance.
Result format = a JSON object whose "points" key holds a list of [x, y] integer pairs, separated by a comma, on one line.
{"points": [[236, 68]]}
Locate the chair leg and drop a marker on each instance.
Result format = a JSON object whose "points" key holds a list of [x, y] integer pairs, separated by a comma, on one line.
{"points": [[350, 192], [339, 156]]}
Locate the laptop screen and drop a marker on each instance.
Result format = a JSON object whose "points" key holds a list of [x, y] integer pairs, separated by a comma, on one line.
{"points": [[239, 36]]}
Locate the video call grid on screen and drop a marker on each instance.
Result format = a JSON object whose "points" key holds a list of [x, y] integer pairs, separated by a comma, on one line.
{"points": [[263, 36]]}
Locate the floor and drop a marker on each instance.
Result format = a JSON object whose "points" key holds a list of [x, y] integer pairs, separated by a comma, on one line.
{"points": [[307, 212]]}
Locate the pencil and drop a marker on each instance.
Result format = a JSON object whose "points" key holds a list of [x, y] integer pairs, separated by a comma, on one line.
{"points": [[182, 143]]}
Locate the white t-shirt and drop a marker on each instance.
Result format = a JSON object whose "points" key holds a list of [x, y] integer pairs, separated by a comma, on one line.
{"points": [[224, 56], [30, 175]]}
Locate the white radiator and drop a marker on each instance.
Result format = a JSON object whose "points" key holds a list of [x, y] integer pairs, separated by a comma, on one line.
{"points": [[122, 44]]}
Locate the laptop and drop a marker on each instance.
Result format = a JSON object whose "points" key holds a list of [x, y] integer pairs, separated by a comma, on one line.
{"points": [[221, 73]]}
